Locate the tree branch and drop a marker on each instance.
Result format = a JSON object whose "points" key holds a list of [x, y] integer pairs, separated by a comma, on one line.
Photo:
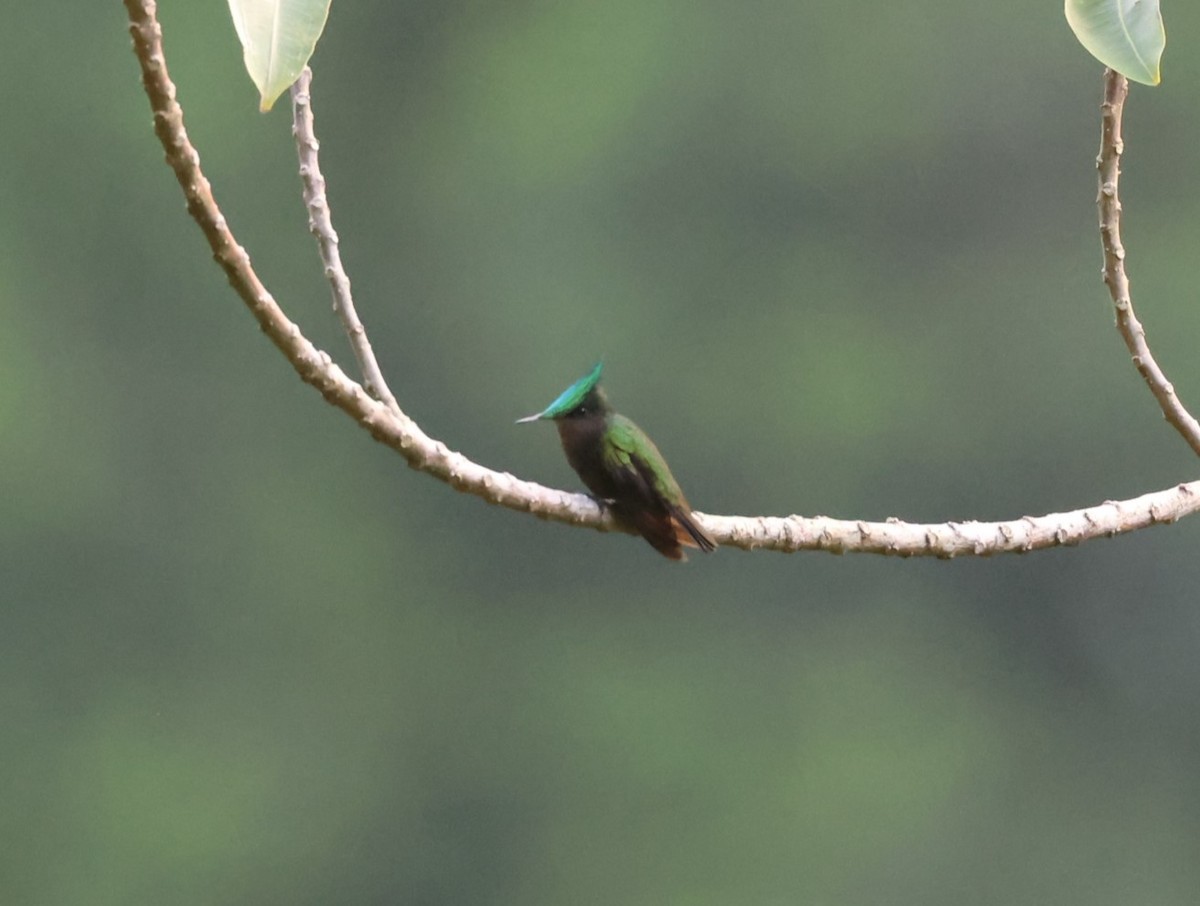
{"points": [[1108, 166], [320, 224], [388, 424], [956, 539]]}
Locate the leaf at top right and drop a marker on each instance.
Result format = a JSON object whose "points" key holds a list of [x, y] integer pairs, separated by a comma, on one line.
{"points": [[1125, 35]]}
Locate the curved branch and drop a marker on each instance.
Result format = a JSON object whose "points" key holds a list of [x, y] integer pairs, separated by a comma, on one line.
{"points": [[395, 429], [956, 539], [1108, 166], [320, 224]]}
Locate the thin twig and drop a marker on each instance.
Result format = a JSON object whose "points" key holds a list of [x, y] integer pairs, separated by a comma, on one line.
{"points": [[1108, 200], [320, 224], [395, 429]]}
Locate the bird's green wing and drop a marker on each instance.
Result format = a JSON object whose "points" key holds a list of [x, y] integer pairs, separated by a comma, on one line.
{"points": [[631, 452], [640, 471]]}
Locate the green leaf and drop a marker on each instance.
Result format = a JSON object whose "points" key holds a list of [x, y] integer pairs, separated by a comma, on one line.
{"points": [[278, 37], [1125, 35]]}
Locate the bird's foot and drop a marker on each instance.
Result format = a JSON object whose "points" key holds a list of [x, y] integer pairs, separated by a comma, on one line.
{"points": [[604, 503]]}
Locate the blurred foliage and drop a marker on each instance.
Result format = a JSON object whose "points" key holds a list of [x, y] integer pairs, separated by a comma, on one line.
{"points": [[840, 264]]}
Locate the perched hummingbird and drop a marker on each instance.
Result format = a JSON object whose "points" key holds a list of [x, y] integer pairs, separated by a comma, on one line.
{"points": [[621, 466]]}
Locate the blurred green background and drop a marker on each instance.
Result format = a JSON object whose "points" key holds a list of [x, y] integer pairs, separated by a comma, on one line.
{"points": [[839, 259]]}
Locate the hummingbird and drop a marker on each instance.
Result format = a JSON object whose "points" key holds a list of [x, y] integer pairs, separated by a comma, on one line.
{"points": [[622, 468]]}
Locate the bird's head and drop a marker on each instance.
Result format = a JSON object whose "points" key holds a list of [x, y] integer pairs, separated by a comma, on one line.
{"points": [[582, 399]]}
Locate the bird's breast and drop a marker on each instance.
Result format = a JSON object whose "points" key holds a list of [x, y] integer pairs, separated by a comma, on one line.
{"points": [[583, 441]]}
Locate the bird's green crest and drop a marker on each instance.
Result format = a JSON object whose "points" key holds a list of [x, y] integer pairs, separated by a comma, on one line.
{"points": [[571, 397]]}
